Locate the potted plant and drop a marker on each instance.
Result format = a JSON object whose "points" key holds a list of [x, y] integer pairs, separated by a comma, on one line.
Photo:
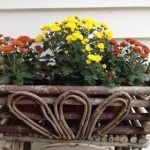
{"points": [[78, 83]]}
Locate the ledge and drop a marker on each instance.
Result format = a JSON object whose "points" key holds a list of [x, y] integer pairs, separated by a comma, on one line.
{"points": [[58, 4]]}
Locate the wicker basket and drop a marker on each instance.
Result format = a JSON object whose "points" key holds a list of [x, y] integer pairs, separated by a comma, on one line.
{"points": [[75, 115]]}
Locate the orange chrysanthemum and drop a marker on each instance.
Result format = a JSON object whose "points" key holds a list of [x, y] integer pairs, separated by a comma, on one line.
{"points": [[23, 50], [24, 39], [2, 41], [7, 48], [17, 43]]}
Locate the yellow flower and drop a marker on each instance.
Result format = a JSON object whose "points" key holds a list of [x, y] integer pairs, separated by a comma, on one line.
{"points": [[66, 52], [99, 35], [71, 25], [91, 21], [53, 27], [70, 38], [104, 25], [88, 48], [86, 40], [96, 58], [101, 46], [39, 38], [108, 34], [104, 66], [78, 35], [44, 31], [88, 61], [48, 25], [83, 42], [88, 26]]}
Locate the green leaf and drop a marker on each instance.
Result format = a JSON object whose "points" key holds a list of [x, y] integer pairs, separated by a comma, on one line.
{"points": [[4, 79], [144, 77], [29, 75], [18, 82], [66, 70]]}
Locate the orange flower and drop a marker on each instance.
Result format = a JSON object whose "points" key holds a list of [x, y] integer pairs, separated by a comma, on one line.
{"points": [[17, 43], [23, 50], [7, 48], [124, 44], [24, 39], [2, 41]]}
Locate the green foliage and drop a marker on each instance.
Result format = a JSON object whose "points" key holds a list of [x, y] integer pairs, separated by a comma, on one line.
{"points": [[73, 52], [84, 53], [17, 66]]}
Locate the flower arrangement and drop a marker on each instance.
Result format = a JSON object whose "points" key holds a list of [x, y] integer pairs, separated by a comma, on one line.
{"points": [[19, 62], [74, 52], [84, 53]]}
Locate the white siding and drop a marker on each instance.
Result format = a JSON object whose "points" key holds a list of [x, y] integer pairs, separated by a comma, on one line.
{"points": [[125, 18]]}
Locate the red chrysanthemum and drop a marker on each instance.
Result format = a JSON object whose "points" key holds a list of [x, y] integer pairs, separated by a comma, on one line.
{"points": [[39, 48]]}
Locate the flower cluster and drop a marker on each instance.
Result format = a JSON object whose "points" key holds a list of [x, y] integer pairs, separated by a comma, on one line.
{"points": [[18, 60], [74, 51], [82, 52], [77, 48]]}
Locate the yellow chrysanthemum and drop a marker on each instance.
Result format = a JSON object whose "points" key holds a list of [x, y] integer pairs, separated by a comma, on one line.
{"points": [[78, 35], [44, 31], [39, 38], [66, 52], [71, 25], [88, 19], [53, 27], [108, 34], [104, 66], [101, 46], [96, 58], [86, 40], [88, 26], [88, 48], [104, 25], [83, 42], [99, 35], [88, 61], [70, 38]]}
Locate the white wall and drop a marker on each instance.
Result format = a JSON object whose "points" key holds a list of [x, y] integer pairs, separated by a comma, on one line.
{"points": [[126, 18]]}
